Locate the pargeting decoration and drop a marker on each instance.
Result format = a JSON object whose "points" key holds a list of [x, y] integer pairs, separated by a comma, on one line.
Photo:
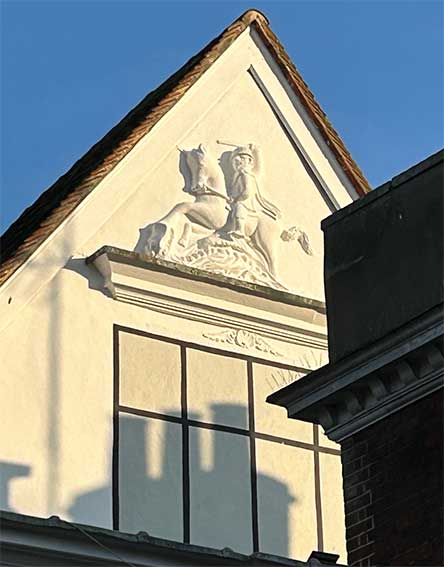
{"points": [[230, 228], [243, 339]]}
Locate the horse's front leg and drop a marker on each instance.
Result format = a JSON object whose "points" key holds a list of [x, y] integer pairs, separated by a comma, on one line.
{"points": [[185, 237], [176, 230], [265, 239]]}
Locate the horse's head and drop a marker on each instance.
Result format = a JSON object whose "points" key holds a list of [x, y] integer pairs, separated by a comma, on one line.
{"points": [[204, 169], [197, 159]]}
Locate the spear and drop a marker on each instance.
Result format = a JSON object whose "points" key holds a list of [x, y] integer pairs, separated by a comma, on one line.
{"points": [[226, 144]]}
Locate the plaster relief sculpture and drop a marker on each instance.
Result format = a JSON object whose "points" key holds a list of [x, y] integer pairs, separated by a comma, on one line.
{"points": [[251, 216], [295, 233], [188, 221], [230, 228], [243, 339]]}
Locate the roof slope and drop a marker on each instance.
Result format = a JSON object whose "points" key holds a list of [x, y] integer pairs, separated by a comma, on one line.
{"points": [[39, 220]]}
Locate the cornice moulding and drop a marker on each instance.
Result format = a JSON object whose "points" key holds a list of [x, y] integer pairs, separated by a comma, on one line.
{"points": [[350, 395], [217, 301]]}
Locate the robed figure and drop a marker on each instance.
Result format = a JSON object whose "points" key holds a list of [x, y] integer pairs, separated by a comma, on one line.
{"points": [[247, 203]]}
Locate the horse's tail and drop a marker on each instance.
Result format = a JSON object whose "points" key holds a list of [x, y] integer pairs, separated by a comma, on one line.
{"points": [[295, 233]]}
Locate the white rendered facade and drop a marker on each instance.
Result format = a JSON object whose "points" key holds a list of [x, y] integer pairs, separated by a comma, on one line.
{"points": [[94, 355]]}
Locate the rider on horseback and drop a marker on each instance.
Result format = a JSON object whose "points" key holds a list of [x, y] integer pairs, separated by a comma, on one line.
{"points": [[246, 201]]}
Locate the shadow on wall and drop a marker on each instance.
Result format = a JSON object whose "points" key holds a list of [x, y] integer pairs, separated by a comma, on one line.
{"points": [[9, 472], [150, 486], [57, 332]]}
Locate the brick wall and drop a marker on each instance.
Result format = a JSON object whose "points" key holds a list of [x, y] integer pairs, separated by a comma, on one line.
{"points": [[393, 488]]}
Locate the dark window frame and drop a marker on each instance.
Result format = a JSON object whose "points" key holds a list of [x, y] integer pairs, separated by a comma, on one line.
{"points": [[186, 423]]}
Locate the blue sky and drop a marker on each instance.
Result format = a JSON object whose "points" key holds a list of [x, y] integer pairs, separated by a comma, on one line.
{"points": [[71, 70]]}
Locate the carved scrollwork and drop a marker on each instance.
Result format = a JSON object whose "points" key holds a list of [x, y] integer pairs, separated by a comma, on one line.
{"points": [[243, 339]]}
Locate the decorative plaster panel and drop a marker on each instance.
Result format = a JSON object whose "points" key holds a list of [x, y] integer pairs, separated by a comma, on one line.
{"points": [[230, 228], [243, 339]]}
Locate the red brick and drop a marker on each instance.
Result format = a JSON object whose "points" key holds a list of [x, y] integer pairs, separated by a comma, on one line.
{"points": [[394, 491]]}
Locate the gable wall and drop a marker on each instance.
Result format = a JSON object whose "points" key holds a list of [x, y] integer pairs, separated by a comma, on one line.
{"points": [[56, 334]]}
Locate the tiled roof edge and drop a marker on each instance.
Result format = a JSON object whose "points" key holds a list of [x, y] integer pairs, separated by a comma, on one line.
{"points": [[316, 113], [53, 206]]}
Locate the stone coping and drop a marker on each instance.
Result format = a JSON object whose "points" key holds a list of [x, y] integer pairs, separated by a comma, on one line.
{"points": [[380, 191], [178, 270]]}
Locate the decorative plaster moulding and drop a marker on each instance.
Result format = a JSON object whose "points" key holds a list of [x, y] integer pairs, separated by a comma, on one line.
{"points": [[228, 306], [243, 339]]}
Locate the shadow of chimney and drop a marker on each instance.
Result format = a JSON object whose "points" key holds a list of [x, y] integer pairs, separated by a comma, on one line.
{"points": [[8, 472]]}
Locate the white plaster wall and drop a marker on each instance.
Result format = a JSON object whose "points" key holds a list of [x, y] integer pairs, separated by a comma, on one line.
{"points": [[332, 499], [150, 477], [216, 380], [58, 382], [272, 419], [220, 497], [56, 324], [292, 470], [142, 381]]}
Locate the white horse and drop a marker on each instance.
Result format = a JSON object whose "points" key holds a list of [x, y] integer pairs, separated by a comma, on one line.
{"points": [[189, 221]]}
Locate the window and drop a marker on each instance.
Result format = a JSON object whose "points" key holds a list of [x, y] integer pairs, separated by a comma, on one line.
{"points": [[200, 457]]}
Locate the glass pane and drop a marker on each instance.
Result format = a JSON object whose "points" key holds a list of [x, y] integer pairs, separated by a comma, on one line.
{"points": [[150, 375], [220, 490], [270, 419], [217, 388], [150, 477], [286, 500]]}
